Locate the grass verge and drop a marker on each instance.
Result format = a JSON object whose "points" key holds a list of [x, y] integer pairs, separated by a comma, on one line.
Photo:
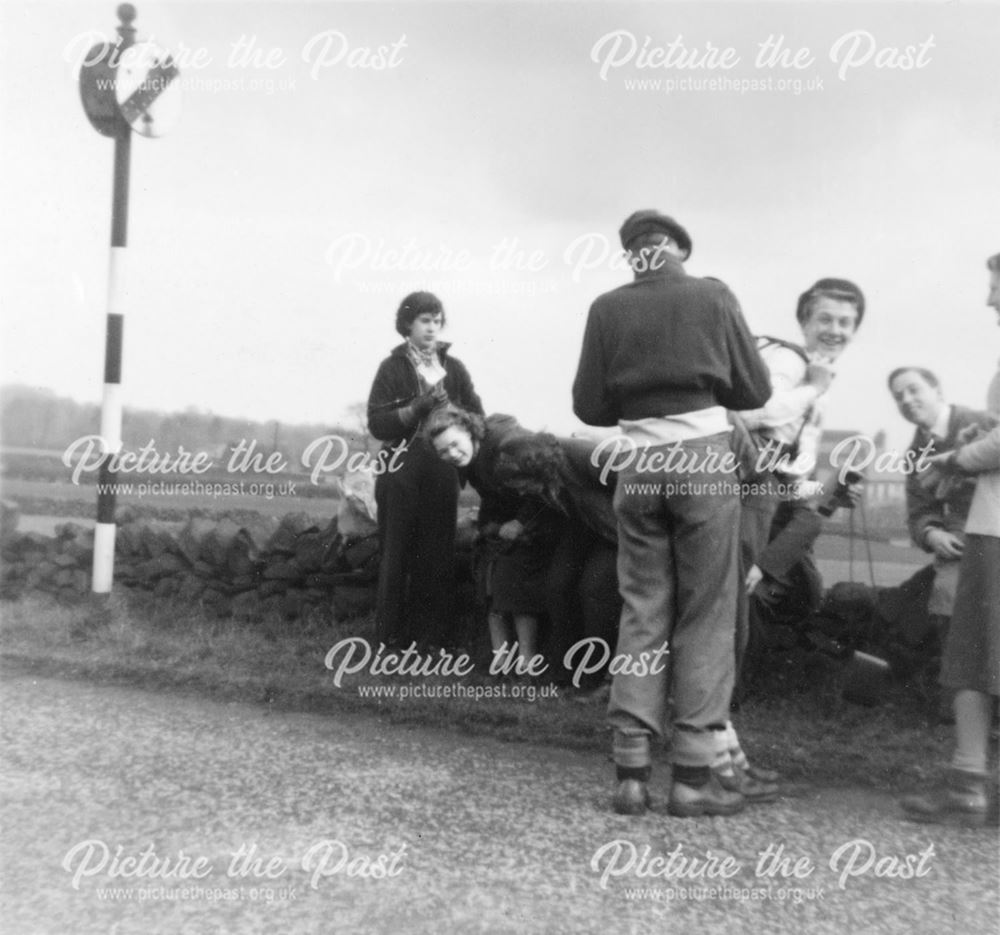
{"points": [[811, 736]]}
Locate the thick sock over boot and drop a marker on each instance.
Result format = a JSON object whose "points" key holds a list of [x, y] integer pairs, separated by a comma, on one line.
{"points": [[766, 777]]}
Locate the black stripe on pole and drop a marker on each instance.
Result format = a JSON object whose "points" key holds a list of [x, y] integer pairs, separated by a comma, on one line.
{"points": [[106, 495], [113, 348], [119, 203]]}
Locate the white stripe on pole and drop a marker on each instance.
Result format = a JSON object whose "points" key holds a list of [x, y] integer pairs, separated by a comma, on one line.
{"points": [[111, 418], [104, 557], [117, 285]]}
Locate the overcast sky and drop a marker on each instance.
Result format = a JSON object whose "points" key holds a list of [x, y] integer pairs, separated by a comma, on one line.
{"points": [[266, 227]]}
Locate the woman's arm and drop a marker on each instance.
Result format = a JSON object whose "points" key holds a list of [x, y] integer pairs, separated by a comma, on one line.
{"points": [[924, 511], [981, 455], [390, 411], [462, 392]]}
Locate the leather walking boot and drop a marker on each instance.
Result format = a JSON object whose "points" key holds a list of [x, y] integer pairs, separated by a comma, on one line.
{"points": [[632, 770], [753, 790], [962, 800], [631, 797], [760, 774], [709, 799]]}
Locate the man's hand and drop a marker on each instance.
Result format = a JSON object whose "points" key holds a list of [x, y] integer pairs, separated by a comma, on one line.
{"points": [[944, 544], [969, 434], [850, 495], [820, 375], [754, 576], [489, 530], [511, 530], [944, 463]]}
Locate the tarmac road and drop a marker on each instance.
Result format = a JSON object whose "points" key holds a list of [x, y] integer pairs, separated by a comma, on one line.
{"points": [[122, 811]]}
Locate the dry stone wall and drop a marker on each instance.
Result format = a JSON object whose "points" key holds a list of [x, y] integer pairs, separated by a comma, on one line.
{"points": [[246, 570]]}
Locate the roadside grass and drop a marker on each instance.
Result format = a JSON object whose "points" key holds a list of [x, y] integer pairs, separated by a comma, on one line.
{"points": [[62, 498], [799, 725]]}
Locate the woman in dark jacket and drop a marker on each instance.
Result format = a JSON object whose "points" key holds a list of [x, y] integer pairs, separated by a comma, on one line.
{"points": [[418, 499], [582, 598], [568, 567], [515, 535]]}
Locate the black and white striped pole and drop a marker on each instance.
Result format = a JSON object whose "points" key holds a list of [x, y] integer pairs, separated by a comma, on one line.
{"points": [[124, 87]]}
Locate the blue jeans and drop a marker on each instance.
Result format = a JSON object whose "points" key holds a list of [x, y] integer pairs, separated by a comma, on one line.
{"points": [[678, 543]]}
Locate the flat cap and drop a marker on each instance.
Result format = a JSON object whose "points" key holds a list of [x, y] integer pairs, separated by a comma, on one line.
{"points": [[649, 221]]}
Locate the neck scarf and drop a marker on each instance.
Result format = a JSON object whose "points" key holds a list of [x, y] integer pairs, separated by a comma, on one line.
{"points": [[427, 363], [422, 358]]}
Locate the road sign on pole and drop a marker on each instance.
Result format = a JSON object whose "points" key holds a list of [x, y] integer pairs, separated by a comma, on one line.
{"points": [[124, 87], [146, 91]]}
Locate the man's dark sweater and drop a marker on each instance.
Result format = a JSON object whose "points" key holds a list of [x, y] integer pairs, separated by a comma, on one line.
{"points": [[666, 344]]}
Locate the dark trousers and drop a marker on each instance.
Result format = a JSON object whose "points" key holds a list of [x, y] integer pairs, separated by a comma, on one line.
{"points": [[756, 516], [971, 658], [582, 596], [417, 513]]}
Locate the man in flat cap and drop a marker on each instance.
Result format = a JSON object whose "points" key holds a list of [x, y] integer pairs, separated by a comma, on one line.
{"points": [[650, 225], [663, 358]]}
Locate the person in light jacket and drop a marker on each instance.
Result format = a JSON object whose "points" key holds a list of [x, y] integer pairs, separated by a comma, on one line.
{"points": [[971, 662]]}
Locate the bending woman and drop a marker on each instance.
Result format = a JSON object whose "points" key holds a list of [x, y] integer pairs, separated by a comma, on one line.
{"points": [[578, 586], [516, 535]]}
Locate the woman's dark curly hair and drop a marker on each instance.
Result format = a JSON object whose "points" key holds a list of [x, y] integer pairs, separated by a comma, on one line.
{"points": [[452, 415], [415, 305], [537, 457]]}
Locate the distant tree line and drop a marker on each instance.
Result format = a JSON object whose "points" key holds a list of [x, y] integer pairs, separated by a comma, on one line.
{"points": [[31, 417]]}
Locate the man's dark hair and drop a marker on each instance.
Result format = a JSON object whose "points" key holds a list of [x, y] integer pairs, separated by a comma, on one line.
{"points": [[843, 290], [415, 305], [929, 376], [993, 263]]}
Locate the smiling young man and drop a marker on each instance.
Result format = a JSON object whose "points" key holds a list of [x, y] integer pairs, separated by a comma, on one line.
{"points": [[829, 313], [788, 426]]}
